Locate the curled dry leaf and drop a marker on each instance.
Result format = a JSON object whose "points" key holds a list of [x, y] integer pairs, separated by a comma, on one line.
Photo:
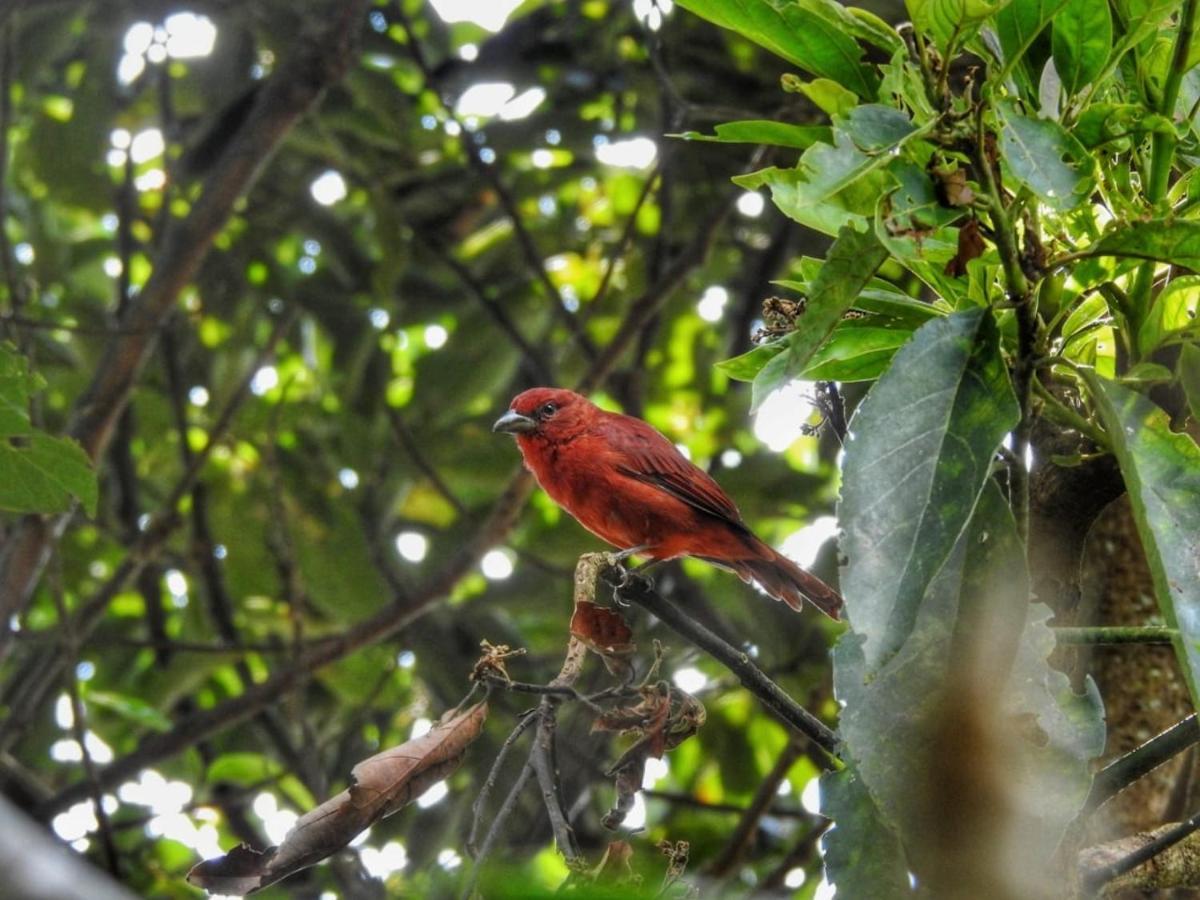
{"points": [[491, 663], [380, 785], [950, 184], [605, 632], [970, 245], [664, 719]]}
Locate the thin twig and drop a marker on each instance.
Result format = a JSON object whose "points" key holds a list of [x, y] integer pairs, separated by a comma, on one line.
{"points": [[1097, 878], [502, 816], [772, 696], [1125, 770], [478, 808], [1115, 634], [735, 848]]}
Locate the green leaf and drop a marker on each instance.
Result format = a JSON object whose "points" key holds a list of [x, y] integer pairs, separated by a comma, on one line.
{"points": [[829, 188], [828, 96], [763, 131], [245, 769], [1173, 241], [1174, 311], [950, 19], [1044, 157], [1020, 22], [802, 37], [921, 445], [16, 386], [857, 22], [875, 127], [130, 708], [1081, 41], [1189, 377], [849, 266], [975, 627], [1162, 474], [909, 219], [855, 352], [750, 363], [863, 857], [44, 474]]}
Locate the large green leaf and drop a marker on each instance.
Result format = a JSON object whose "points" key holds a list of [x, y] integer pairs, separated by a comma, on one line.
{"points": [[863, 857], [807, 40], [1172, 241], [1020, 22], [764, 131], [851, 263], [1082, 41], [1045, 157], [920, 447], [1162, 474], [976, 629], [950, 19]]}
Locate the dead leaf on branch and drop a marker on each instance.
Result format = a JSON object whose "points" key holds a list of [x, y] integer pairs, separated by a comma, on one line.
{"points": [[970, 246], [493, 660], [950, 185], [615, 865], [380, 785], [605, 632], [664, 719]]}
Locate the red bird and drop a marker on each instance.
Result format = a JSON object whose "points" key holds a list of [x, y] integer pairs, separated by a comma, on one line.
{"points": [[627, 484]]}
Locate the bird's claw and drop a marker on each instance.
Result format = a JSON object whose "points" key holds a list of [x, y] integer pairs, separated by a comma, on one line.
{"points": [[630, 578]]}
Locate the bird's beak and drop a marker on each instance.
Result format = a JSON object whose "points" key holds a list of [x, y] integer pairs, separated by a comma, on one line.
{"points": [[514, 423]]}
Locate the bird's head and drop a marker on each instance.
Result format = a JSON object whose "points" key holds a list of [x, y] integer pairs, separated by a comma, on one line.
{"points": [[546, 414]]}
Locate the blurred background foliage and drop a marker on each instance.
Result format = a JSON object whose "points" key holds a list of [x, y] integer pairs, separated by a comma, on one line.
{"points": [[475, 208]]}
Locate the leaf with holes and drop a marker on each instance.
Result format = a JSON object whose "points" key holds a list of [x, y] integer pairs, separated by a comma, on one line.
{"points": [[1045, 158]]}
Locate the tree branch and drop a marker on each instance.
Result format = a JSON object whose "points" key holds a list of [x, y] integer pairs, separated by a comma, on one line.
{"points": [[772, 696], [1125, 770], [318, 61]]}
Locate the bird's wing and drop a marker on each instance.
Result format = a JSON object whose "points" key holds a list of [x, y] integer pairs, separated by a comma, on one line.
{"points": [[646, 455]]}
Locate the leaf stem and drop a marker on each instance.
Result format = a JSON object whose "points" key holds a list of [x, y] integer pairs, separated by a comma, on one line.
{"points": [[1116, 634], [1162, 150]]}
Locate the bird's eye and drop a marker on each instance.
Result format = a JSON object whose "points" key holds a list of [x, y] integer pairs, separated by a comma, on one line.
{"points": [[547, 410]]}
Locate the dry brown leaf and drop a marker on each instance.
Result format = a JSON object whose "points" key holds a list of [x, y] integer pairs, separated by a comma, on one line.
{"points": [[970, 245], [379, 786], [950, 184], [605, 632], [664, 719]]}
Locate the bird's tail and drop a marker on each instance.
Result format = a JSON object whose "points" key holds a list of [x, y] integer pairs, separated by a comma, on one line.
{"points": [[786, 581]]}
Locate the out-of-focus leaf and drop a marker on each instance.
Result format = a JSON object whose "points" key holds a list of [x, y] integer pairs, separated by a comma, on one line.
{"points": [[975, 628], [919, 450], [380, 786], [1161, 469], [1082, 41], [863, 857], [851, 263], [40, 473], [797, 34], [244, 769], [764, 131], [1045, 157], [129, 708]]}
